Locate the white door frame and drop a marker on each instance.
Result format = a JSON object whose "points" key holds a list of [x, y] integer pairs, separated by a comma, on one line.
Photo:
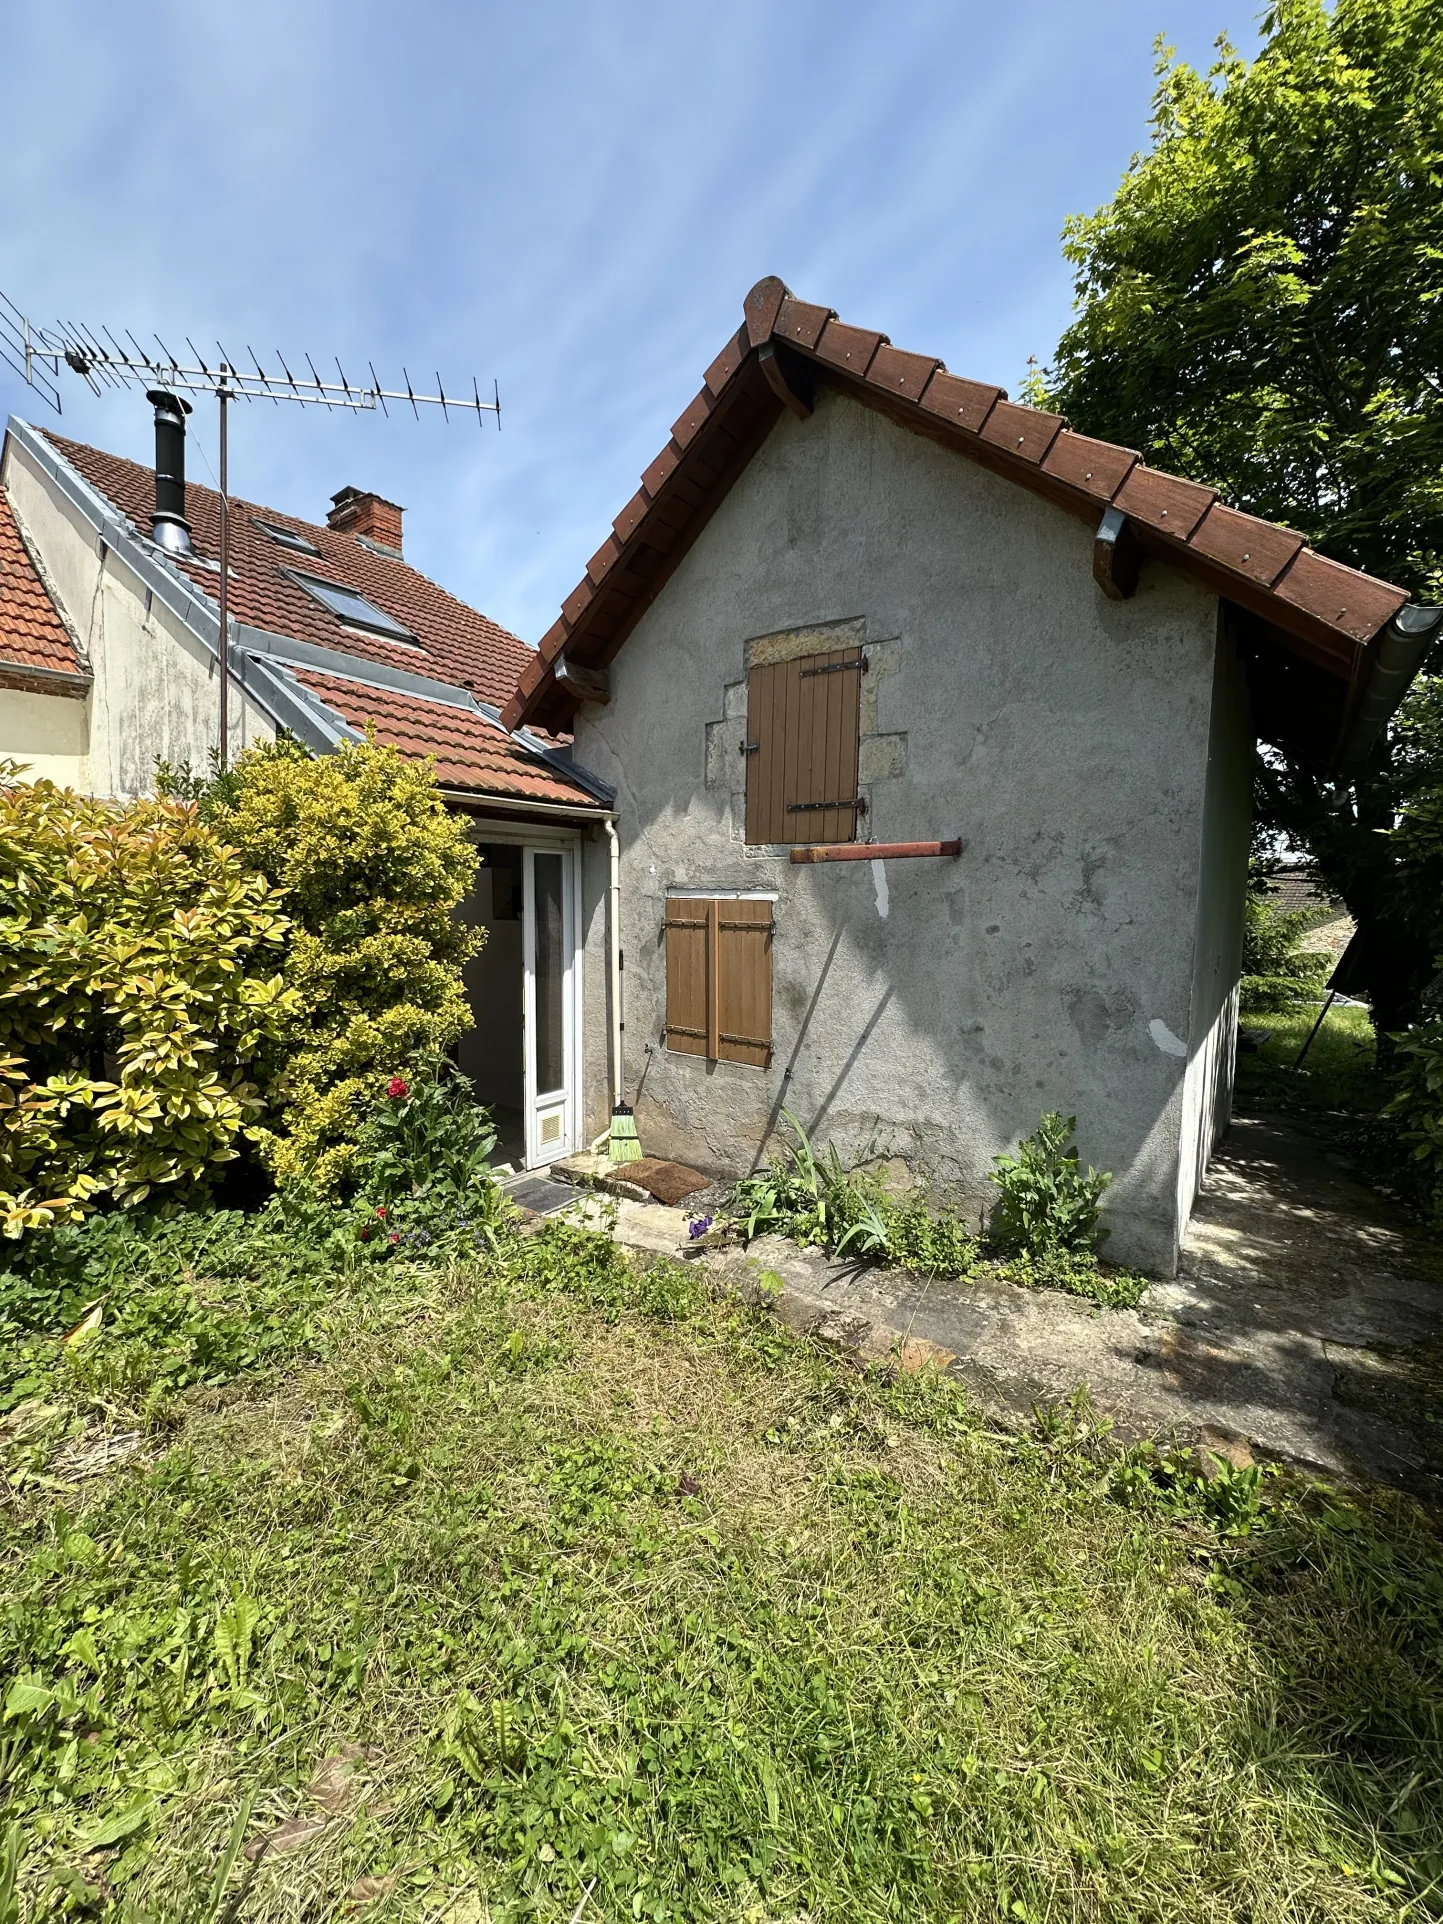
{"points": [[548, 841]]}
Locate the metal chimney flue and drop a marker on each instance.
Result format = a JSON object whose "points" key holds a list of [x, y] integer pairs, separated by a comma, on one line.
{"points": [[169, 526]]}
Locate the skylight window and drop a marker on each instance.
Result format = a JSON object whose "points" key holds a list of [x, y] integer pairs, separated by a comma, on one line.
{"points": [[287, 537], [352, 608]]}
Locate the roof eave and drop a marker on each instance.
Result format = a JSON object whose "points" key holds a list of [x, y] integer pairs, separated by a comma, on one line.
{"points": [[1262, 569]]}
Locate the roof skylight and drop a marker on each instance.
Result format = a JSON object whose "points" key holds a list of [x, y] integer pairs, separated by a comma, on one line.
{"points": [[352, 608], [287, 537]]}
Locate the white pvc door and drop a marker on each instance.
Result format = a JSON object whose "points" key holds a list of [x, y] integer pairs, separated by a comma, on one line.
{"points": [[549, 951]]}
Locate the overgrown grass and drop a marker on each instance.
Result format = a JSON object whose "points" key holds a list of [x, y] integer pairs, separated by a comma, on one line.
{"points": [[554, 1569], [1339, 1072]]}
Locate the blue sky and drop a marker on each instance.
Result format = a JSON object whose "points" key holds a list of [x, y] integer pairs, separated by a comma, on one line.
{"points": [[572, 200]]}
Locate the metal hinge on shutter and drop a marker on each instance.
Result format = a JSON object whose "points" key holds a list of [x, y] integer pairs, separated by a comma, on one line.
{"points": [[757, 928], [834, 668], [802, 808]]}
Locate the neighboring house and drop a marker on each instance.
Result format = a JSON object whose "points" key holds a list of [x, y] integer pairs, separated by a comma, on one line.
{"points": [[1299, 891], [44, 676], [862, 605], [108, 661]]}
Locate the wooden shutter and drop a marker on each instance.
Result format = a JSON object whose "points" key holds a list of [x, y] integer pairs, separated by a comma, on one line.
{"points": [[688, 972], [803, 721], [719, 979], [744, 982]]}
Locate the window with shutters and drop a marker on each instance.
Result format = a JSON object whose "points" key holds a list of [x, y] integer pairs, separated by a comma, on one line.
{"points": [[719, 978], [803, 721]]}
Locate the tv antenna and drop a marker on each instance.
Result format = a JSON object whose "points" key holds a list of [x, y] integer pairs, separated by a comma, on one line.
{"points": [[38, 353]]}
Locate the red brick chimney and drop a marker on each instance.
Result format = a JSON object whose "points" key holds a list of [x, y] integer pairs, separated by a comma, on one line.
{"points": [[355, 512]]}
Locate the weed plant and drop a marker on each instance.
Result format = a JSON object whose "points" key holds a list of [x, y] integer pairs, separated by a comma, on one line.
{"points": [[549, 1570], [1043, 1236]]}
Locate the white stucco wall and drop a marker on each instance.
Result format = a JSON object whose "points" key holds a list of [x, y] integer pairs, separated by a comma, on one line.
{"points": [[155, 692], [1218, 941], [50, 734], [926, 1009]]}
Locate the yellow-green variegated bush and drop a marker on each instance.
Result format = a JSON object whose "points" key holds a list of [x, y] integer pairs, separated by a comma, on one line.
{"points": [[139, 995], [372, 867]]}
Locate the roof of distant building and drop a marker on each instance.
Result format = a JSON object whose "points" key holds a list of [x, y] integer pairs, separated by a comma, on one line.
{"points": [[335, 635], [452, 642], [36, 650]]}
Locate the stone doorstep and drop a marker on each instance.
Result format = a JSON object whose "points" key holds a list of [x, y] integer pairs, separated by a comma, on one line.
{"points": [[592, 1169]]}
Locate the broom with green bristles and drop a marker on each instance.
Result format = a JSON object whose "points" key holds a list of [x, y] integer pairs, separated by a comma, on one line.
{"points": [[623, 1144]]}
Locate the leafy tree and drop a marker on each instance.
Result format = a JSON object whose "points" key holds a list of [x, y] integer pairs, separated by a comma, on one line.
{"points": [[371, 864], [1260, 307], [1278, 972]]}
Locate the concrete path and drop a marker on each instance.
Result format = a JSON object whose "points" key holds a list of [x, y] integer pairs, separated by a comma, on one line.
{"points": [[1306, 1323]]}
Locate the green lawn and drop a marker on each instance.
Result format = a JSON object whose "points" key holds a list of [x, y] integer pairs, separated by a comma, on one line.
{"points": [[1337, 1074], [494, 1581]]}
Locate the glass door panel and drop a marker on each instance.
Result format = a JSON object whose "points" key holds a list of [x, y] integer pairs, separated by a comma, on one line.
{"points": [[550, 986]]}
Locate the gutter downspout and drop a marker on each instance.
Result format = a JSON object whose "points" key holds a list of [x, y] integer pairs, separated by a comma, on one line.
{"points": [[1403, 644], [617, 1067]]}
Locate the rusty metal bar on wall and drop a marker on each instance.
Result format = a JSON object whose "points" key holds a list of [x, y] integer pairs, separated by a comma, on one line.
{"points": [[871, 851]]}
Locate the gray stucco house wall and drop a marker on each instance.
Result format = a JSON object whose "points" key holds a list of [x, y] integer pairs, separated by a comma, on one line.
{"points": [[1094, 756]]}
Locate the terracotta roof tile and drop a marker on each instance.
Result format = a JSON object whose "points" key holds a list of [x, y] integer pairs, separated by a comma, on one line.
{"points": [[32, 634], [470, 752], [1338, 596], [898, 372], [800, 323], [1163, 501], [1095, 468], [1258, 549], [1025, 432], [966, 404], [849, 348], [454, 642], [653, 477], [684, 428], [727, 362], [761, 307]]}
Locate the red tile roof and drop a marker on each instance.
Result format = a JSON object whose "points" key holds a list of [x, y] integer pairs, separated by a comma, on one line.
{"points": [[1318, 624], [32, 635], [470, 751], [455, 643]]}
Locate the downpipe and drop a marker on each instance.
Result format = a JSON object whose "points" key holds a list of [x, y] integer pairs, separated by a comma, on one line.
{"points": [[616, 1065]]}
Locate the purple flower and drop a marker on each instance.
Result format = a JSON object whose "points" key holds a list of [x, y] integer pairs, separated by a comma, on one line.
{"points": [[698, 1227]]}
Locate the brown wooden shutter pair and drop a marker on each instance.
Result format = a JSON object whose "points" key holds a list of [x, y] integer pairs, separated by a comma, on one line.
{"points": [[803, 722], [719, 979]]}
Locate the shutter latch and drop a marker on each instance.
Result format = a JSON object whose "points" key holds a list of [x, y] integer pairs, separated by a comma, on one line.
{"points": [[750, 748]]}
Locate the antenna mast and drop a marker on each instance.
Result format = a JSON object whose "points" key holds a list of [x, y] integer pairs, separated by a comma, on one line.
{"points": [[37, 354]]}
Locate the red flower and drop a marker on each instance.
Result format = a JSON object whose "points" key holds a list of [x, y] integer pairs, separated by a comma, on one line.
{"points": [[398, 1088], [394, 1237], [366, 1234], [381, 1211]]}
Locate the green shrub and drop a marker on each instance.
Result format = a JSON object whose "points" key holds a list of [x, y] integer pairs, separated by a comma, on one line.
{"points": [[140, 1005], [1047, 1203], [1278, 974], [373, 865], [427, 1135], [1418, 1102]]}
